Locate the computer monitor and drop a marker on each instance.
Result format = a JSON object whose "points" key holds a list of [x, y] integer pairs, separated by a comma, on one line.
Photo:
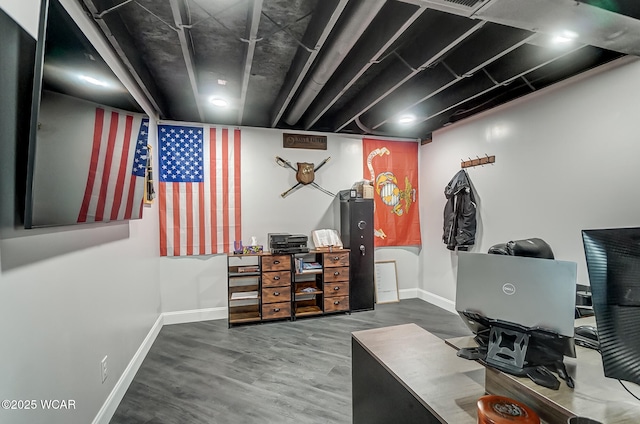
{"points": [[530, 292], [613, 264]]}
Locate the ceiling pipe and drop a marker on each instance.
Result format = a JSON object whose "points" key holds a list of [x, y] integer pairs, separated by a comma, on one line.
{"points": [[104, 12], [366, 130], [179, 16], [499, 84], [359, 20]]}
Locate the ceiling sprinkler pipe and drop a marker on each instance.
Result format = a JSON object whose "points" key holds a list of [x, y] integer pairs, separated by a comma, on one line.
{"points": [[359, 20]]}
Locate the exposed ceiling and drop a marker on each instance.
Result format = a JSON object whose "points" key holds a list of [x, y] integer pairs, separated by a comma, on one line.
{"points": [[357, 66]]}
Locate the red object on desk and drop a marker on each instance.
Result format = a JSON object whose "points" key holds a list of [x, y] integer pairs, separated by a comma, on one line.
{"points": [[502, 410]]}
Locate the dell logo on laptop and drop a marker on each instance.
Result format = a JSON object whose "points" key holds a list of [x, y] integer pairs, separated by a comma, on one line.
{"points": [[508, 289]]}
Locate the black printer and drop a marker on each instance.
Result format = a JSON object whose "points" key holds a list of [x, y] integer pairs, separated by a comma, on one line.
{"points": [[287, 243]]}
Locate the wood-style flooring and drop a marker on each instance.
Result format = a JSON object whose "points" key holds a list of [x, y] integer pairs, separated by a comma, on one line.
{"points": [[279, 372]]}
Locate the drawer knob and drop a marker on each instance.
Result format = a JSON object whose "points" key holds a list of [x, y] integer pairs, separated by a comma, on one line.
{"points": [[276, 262], [276, 310], [276, 293], [336, 273], [277, 277], [337, 302], [336, 288], [336, 258]]}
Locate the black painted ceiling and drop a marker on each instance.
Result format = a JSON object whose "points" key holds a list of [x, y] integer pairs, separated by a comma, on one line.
{"points": [[357, 66]]}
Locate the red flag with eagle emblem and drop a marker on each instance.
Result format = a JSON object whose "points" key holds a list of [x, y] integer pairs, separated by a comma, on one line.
{"points": [[392, 167]]}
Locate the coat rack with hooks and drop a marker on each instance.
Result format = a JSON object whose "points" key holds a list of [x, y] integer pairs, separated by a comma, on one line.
{"points": [[486, 159]]}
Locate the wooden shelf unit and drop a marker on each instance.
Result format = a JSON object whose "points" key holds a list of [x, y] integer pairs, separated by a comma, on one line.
{"points": [[246, 309], [307, 287], [305, 311], [271, 288], [239, 317]]}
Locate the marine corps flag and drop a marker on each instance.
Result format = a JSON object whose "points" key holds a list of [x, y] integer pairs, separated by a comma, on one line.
{"points": [[392, 167]]}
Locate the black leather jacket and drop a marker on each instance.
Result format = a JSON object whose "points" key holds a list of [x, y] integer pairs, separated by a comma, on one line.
{"points": [[459, 213]]}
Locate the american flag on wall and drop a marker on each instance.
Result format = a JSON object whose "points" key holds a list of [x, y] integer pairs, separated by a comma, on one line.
{"points": [[199, 189], [115, 181]]}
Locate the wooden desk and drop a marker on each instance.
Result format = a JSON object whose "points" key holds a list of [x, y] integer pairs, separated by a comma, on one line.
{"points": [[594, 395], [406, 374]]}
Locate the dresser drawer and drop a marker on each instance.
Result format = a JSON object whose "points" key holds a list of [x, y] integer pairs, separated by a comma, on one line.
{"points": [[336, 304], [276, 263], [333, 259], [338, 288], [336, 274], [276, 278], [276, 310], [276, 294]]}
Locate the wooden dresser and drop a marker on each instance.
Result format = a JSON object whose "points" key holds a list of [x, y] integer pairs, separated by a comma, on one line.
{"points": [[276, 287], [264, 287], [336, 281]]}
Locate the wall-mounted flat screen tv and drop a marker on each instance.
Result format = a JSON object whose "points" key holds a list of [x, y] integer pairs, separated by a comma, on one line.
{"points": [[88, 141]]}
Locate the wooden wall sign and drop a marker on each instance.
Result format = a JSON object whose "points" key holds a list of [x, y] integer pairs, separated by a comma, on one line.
{"points": [[304, 141]]}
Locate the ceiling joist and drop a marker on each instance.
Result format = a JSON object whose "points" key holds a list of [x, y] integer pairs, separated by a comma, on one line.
{"points": [[370, 52], [353, 66], [318, 30], [253, 19], [401, 71]]}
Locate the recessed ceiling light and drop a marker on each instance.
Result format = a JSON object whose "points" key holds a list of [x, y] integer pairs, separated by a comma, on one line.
{"points": [[217, 101], [93, 81], [564, 37], [405, 119]]}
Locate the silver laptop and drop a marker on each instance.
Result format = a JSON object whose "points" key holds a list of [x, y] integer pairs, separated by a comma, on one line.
{"points": [[528, 291]]}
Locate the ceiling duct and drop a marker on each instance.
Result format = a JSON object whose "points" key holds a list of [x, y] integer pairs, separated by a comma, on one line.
{"points": [[590, 25], [466, 3], [363, 13], [457, 7]]}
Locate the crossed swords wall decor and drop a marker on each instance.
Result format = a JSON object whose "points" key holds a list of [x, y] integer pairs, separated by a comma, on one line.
{"points": [[305, 173]]}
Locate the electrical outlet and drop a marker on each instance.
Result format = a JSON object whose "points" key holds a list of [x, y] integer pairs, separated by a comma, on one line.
{"points": [[103, 369]]}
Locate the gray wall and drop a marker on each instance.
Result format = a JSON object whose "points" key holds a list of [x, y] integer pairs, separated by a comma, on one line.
{"points": [[69, 297], [565, 161]]}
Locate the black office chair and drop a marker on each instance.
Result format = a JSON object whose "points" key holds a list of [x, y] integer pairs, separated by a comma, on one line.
{"points": [[531, 247]]}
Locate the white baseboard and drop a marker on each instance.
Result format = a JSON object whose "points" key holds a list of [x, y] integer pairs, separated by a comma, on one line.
{"points": [[434, 299], [408, 293], [194, 315], [115, 397], [167, 318], [439, 301]]}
